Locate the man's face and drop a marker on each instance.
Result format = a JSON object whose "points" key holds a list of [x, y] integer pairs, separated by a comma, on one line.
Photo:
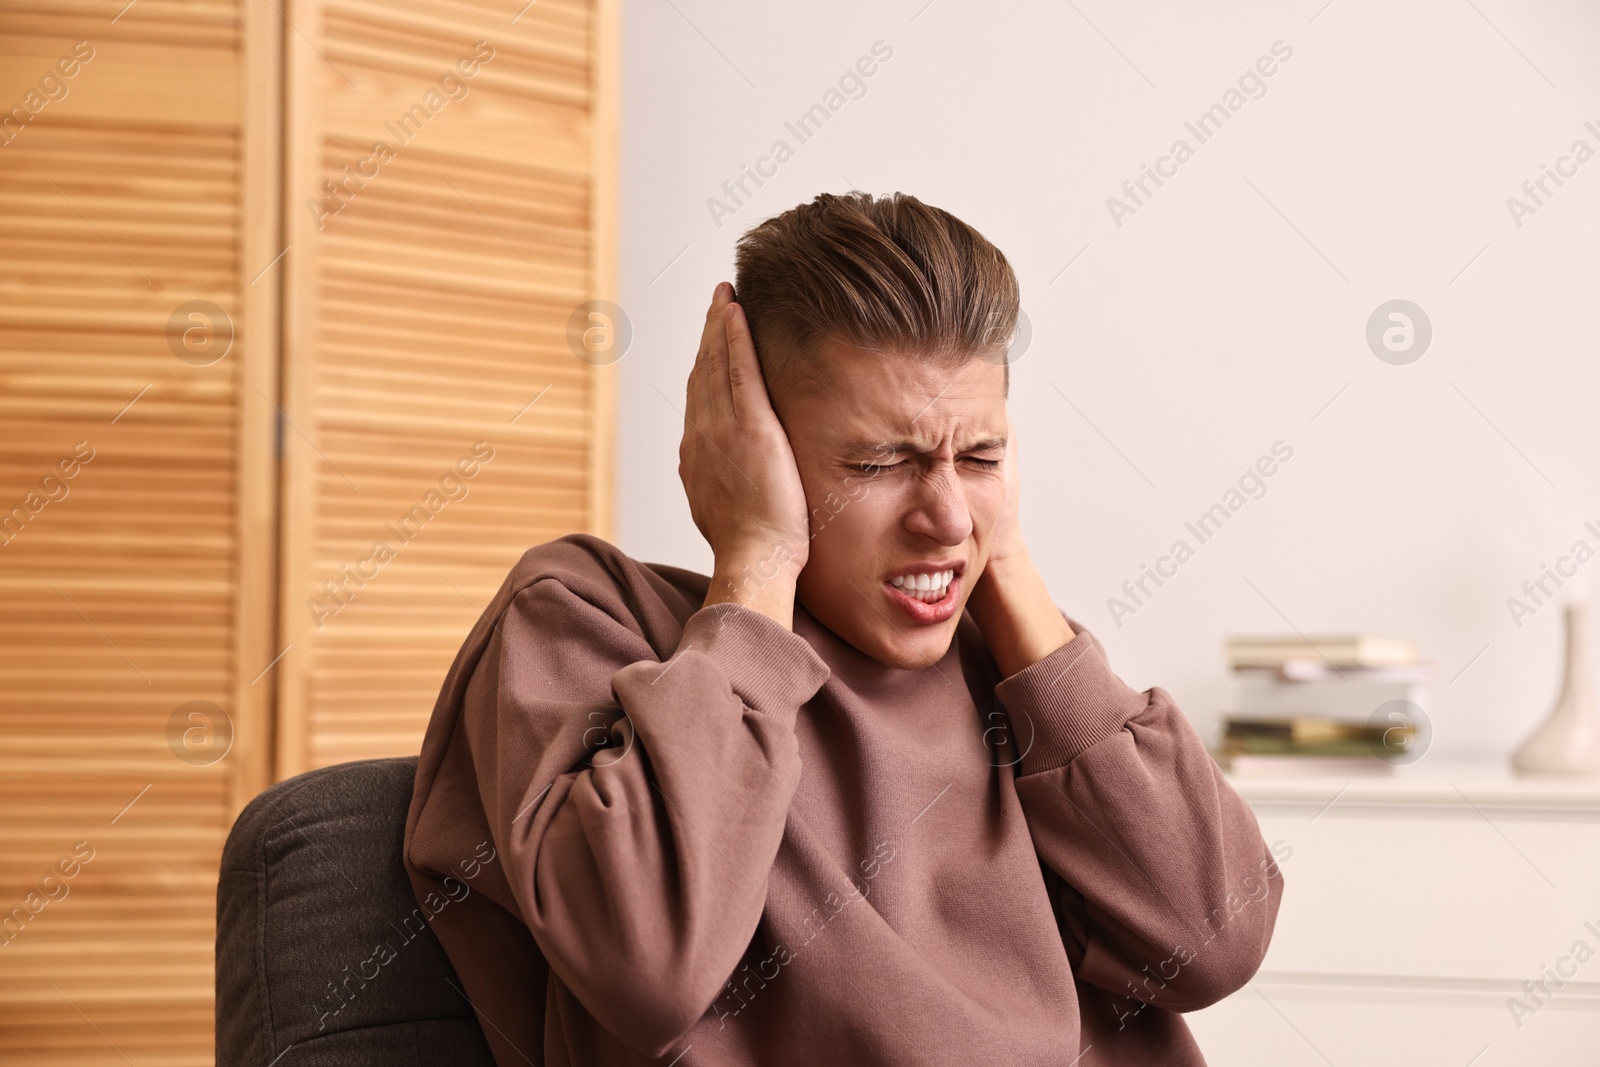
{"points": [[901, 463]]}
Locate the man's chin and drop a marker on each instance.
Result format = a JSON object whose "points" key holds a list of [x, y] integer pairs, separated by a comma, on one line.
{"points": [[908, 650]]}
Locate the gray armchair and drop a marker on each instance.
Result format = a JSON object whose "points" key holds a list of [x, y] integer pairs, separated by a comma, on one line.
{"points": [[323, 959]]}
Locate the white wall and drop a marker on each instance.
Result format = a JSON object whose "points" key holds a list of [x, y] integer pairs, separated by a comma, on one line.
{"points": [[1222, 316]]}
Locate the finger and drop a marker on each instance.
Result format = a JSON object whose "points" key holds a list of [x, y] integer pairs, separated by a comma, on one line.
{"points": [[1013, 451], [746, 385], [705, 372], [1014, 474], [694, 404], [720, 295], [719, 393]]}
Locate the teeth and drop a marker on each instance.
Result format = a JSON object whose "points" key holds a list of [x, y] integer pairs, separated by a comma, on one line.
{"points": [[924, 587]]}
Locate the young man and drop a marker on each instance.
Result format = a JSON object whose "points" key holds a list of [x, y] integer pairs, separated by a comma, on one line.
{"points": [[864, 795]]}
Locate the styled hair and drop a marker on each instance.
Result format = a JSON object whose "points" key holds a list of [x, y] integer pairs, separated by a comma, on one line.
{"points": [[888, 274]]}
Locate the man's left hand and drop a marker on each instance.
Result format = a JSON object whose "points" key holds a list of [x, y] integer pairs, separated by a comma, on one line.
{"points": [[1010, 603]]}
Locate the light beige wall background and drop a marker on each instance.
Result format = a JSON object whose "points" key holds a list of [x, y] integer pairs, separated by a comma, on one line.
{"points": [[1228, 313]]}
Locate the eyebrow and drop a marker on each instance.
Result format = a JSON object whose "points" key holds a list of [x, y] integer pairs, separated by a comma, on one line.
{"points": [[868, 447]]}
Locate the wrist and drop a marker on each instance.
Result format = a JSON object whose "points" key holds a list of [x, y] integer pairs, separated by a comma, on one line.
{"points": [[759, 585], [761, 552]]}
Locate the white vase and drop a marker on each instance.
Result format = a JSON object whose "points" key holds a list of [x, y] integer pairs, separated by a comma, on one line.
{"points": [[1568, 742]]}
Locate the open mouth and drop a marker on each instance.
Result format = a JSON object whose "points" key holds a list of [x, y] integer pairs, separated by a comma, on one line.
{"points": [[927, 593]]}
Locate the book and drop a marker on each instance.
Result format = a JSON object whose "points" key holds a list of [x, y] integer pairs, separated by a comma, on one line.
{"points": [[1244, 765], [1309, 736], [1339, 650], [1350, 694]]}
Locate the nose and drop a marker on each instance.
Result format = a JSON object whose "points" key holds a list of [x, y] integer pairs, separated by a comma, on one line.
{"points": [[939, 510]]}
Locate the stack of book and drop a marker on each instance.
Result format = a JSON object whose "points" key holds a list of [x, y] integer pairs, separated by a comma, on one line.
{"points": [[1338, 704]]}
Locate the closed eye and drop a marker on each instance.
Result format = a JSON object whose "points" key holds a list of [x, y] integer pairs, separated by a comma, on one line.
{"points": [[986, 464]]}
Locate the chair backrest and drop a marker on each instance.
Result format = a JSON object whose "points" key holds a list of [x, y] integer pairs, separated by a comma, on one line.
{"points": [[323, 954]]}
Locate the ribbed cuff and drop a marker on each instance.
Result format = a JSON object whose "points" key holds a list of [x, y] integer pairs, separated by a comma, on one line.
{"points": [[770, 667], [1066, 703]]}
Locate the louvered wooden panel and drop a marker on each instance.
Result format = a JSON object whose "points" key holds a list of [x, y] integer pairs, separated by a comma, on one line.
{"points": [[142, 587], [425, 315]]}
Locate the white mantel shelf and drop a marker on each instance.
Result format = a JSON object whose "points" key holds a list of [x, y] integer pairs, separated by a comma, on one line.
{"points": [[1443, 782]]}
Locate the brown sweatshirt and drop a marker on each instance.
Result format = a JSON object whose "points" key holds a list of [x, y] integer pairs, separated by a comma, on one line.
{"points": [[651, 832]]}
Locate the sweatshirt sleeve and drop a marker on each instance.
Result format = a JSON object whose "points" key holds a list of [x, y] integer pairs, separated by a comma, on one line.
{"points": [[638, 803], [1167, 892]]}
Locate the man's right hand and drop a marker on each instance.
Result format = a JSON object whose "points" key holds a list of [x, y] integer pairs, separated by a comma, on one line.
{"points": [[739, 472]]}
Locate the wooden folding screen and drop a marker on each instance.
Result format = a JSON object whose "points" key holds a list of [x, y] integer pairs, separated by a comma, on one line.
{"points": [[222, 385], [137, 493], [449, 187]]}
